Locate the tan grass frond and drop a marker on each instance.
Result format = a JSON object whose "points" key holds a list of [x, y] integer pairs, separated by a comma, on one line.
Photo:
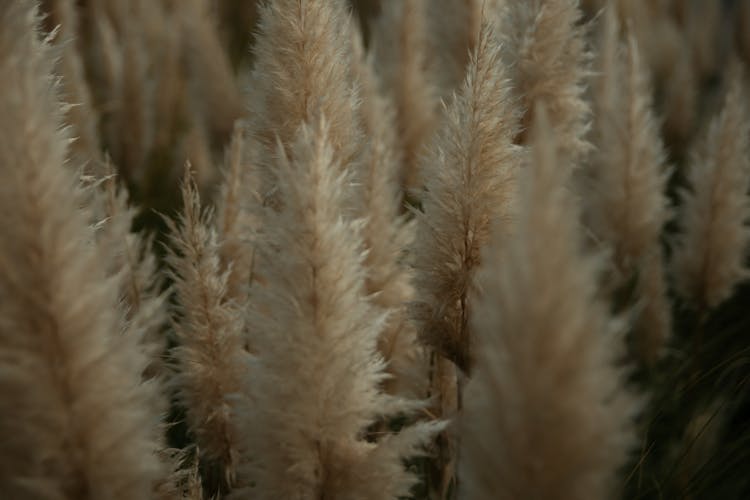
{"points": [[710, 258], [209, 335], [386, 233], [317, 375], [548, 61], [628, 204], [235, 218], [302, 71], [130, 259], [184, 481], [74, 416], [470, 172], [401, 45], [546, 415]]}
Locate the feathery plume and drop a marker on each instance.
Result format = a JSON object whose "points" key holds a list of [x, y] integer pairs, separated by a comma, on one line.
{"points": [[710, 258], [628, 204], [386, 232], [400, 46], [81, 114], [209, 335], [302, 70], [545, 51], [546, 415], [129, 258], [235, 218], [471, 168], [85, 431], [184, 481], [317, 375], [472, 164]]}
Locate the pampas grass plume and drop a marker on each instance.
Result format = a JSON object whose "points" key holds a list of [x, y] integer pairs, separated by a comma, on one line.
{"points": [[386, 232], [710, 258], [236, 219], [302, 71], [628, 202], [209, 331], [470, 173], [544, 47], [316, 378], [129, 258], [546, 415], [74, 416]]}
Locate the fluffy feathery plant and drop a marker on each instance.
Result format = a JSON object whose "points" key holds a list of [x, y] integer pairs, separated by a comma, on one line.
{"points": [[75, 420], [627, 197], [547, 415], [209, 342], [129, 258], [314, 385], [710, 259], [293, 353], [386, 232], [235, 220], [302, 69], [470, 186], [547, 57]]}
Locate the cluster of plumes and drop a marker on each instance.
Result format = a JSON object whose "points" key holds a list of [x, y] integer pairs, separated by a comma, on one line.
{"points": [[157, 70], [441, 245]]}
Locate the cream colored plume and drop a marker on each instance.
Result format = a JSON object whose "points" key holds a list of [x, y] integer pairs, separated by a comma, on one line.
{"points": [[315, 383], [302, 71], [547, 415], [470, 172], [712, 249], [387, 232], [76, 420], [628, 206], [545, 51], [209, 329]]}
